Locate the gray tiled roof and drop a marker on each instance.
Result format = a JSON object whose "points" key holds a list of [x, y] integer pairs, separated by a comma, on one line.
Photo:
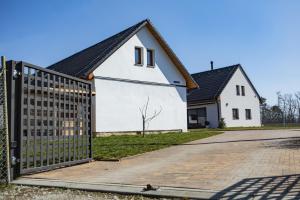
{"points": [[211, 84]]}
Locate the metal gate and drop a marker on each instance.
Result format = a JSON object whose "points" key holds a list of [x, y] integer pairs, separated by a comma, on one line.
{"points": [[50, 118]]}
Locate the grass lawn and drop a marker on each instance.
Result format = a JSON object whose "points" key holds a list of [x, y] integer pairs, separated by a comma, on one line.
{"points": [[116, 147]]}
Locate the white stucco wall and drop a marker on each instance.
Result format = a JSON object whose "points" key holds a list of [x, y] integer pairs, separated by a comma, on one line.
{"points": [[118, 102], [212, 113], [229, 100], [118, 109]]}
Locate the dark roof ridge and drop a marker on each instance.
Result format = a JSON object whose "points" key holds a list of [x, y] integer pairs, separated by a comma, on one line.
{"points": [[213, 83], [221, 68], [90, 47], [233, 70], [138, 25]]}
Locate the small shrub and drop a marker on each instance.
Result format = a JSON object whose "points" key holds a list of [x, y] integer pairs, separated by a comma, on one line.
{"points": [[222, 123]]}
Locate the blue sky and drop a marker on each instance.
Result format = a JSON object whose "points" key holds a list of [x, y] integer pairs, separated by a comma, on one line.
{"points": [[263, 36]]}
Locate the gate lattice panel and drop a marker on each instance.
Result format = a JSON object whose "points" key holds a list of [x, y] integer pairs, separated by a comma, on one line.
{"points": [[53, 119]]}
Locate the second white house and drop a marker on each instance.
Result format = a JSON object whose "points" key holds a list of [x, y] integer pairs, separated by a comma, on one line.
{"points": [[223, 93]]}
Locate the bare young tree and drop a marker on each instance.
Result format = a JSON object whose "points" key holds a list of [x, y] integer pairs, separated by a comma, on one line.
{"points": [[287, 109], [288, 105], [146, 117], [282, 104], [291, 108]]}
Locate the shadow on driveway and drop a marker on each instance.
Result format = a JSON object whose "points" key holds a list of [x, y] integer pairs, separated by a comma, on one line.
{"points": [[275, 187], [286, 144]]}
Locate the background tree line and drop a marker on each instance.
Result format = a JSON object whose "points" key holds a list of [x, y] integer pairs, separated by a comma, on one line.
{"points": [[286, 111]]}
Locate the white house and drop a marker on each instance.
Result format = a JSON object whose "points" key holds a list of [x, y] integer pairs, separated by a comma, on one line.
{"points": [[128, 69], [223, 93]]}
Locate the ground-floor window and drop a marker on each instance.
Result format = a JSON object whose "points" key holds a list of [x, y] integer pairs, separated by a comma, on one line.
{"points": [[235, 114], [248, 114], [197, 117]]}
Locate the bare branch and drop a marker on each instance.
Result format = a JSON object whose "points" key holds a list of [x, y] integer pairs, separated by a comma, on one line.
{"points": [[155, 114], [141, 111], [146, 109]]}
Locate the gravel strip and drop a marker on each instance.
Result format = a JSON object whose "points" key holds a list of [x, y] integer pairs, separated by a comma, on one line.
{"points": [[42, 193]]}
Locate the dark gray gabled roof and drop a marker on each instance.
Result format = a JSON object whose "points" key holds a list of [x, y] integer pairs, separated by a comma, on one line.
{"points": [[212, 83], [83, 63]]}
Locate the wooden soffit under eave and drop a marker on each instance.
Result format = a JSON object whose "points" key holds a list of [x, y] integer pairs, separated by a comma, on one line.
{"points": [[190, 83], [90, 76]]}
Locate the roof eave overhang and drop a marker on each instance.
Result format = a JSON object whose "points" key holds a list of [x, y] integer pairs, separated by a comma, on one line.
{"points": [[203, 102], [190, 83]]}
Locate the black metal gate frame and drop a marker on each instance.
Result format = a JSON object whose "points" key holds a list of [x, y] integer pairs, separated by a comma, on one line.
{"points": [[49, 118]]}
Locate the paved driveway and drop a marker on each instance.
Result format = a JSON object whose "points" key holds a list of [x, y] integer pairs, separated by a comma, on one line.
{"points": [[212, 164]]}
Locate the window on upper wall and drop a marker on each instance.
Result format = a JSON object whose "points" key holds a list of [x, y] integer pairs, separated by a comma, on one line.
{"points": [[138, 53], [150, 58], [248, 114], [243, 90], [237, 90], [235, 114]]}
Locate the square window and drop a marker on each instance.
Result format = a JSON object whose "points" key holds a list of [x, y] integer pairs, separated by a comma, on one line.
{"points": [[248, 114], [150, 58], [235, 113], [138, 53]]}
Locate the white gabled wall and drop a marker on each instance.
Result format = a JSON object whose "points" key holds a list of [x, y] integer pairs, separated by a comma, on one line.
{"points": [[229, 100], [121, 63], [118, 102]]}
